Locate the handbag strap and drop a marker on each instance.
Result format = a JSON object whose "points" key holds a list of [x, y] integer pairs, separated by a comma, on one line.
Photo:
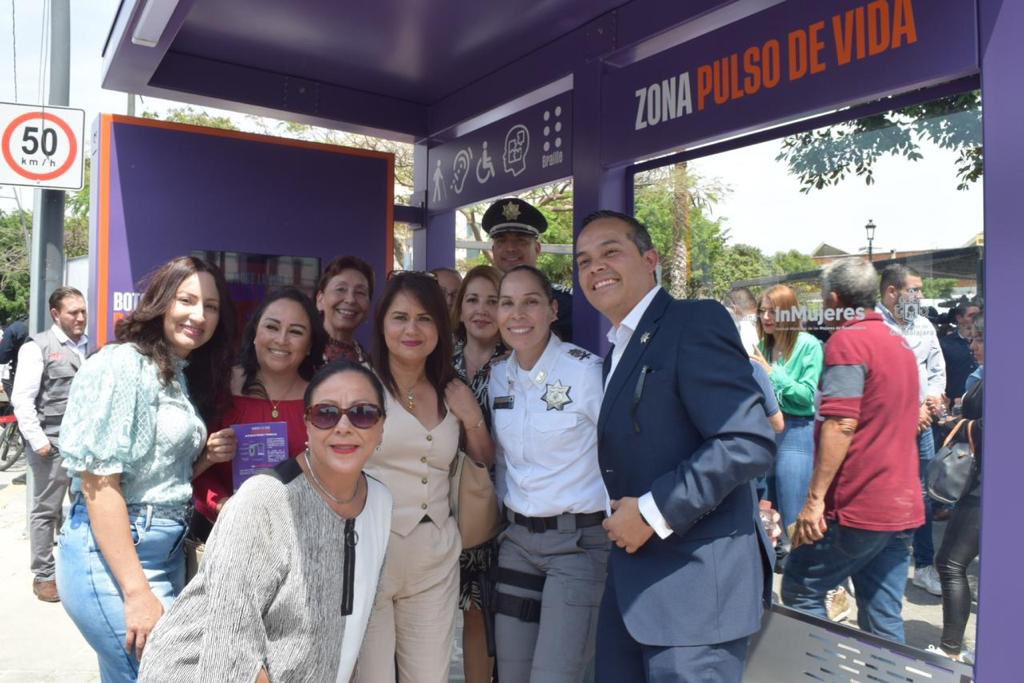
{"points": [[952, 433], [970, 436]]}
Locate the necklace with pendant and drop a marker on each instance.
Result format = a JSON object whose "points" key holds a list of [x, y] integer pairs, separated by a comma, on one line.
{"points": [[274, 412], [323, 489], [410, 398]]}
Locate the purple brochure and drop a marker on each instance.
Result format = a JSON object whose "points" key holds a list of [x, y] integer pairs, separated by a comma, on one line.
{"points": [[260, 445]]}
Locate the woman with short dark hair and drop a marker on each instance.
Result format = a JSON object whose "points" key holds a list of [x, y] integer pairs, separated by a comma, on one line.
{"points": [[291, 568], [343, 296], [133, 438]]}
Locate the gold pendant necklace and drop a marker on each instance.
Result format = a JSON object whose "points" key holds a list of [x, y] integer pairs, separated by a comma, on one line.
{"points": [[274, 413]]}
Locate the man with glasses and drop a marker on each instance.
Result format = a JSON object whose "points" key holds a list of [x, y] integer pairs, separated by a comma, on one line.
{"points": [[901, 289], [515, 228]]}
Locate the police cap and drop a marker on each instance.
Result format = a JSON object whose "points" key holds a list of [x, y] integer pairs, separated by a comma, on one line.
{"points": [[513, 215]]}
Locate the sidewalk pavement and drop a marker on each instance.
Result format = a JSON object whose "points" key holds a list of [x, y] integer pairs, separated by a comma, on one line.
{"points": [[39, 642]]}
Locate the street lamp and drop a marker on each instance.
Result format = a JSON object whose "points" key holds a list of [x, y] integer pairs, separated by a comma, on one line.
{"points": [[870, 230]]}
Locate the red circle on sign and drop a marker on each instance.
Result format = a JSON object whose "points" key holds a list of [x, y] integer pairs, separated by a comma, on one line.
{"points": [[9, 131]]}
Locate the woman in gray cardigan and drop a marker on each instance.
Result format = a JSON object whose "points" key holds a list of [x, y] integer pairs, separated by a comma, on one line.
{"points": [[292, 566]]}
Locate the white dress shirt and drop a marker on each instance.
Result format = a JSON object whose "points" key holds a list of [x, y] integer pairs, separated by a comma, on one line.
{"points": [[546, 440], [27, 381], [620, 336]]}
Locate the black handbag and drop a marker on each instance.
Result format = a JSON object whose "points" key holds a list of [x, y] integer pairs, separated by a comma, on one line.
{"points": [[952, 473]]}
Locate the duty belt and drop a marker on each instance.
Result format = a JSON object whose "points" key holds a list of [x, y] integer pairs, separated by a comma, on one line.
{"points": [[567, 521]]}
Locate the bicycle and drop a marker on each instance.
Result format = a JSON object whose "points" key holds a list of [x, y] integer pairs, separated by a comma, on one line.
{"points": [[11, 443]]}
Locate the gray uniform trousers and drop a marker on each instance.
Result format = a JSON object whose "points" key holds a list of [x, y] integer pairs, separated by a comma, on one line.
{"points": [[560, 647], [50, 483]]}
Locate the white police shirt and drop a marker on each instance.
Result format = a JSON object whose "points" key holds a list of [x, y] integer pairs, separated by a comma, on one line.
{"points": [[545, 431]]}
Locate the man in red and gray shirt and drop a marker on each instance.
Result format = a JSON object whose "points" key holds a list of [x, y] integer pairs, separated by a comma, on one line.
{"points": [[864, 500]]}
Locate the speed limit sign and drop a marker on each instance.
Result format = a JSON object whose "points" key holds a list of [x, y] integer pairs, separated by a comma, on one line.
{"points": [[41, 146]]}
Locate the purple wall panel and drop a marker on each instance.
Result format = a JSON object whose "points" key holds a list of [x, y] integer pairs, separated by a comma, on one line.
{"points": [[636, 126], [173, 192], [1002, 81]]}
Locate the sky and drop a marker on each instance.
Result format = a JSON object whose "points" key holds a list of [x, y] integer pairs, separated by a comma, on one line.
{"points": [[914, 204]]}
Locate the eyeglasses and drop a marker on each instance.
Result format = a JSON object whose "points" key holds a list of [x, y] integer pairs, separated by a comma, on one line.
{"points": [[327, 415], [410, 273]]}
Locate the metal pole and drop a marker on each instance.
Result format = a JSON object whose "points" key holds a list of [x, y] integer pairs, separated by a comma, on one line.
{"points": [[46, 264], [46, 267]]}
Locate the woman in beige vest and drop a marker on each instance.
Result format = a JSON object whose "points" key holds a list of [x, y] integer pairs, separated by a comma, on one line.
{"points": [[413, 619]]}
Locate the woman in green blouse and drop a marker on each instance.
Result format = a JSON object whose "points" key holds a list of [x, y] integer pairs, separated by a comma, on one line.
{"points": [[133, 438], [793, 360]]}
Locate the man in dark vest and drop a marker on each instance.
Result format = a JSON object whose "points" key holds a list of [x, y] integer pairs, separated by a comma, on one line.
{"points": [[46, 365]]}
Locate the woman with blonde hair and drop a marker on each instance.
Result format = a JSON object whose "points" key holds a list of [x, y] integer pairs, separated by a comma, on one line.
{"points": [[793, 359], [478, 346]]}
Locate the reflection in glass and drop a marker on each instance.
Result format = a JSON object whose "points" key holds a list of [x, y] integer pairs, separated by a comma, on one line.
{"points": [[736, 225]]}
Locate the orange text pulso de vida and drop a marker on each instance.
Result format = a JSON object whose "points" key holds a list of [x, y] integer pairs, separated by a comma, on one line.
{"points": [[856, 34]]}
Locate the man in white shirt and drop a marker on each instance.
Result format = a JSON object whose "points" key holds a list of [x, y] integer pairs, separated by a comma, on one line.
{"points": [[681, 437], [47, 363], [901, 289]]}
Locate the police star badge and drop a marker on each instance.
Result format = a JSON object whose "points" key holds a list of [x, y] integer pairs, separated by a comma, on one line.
{"points": [[557, 396], [510, 211]]}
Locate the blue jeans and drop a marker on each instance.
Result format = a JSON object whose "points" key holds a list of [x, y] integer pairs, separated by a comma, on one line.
{"points": [[90, 594], [794, 464], [924, 545], [877, 561]]}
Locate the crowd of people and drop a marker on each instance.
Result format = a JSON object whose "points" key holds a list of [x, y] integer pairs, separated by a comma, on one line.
{"points": [[632, 488]]}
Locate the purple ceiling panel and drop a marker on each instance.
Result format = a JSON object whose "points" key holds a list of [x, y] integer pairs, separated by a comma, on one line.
{"points": [[420, 51]]}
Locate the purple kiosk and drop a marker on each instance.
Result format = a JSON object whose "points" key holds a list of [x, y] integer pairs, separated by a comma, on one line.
{"points": [[501, 97]]}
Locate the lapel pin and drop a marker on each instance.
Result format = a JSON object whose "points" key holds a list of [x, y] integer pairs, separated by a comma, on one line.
{"points": [[645, 337]]}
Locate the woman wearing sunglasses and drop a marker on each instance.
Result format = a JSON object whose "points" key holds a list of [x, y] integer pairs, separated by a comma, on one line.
{"points": [[413, 620], [286, 586], [281, 347]]}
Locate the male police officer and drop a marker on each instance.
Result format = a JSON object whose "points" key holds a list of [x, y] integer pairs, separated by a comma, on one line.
{"points": [[515, 227], [46, 365]]}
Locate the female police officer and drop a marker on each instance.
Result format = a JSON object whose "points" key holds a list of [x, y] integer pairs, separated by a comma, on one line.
{"points": [[551, 566]]}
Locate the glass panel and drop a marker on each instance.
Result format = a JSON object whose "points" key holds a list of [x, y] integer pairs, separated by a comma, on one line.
{"points": [[754, 228], [251, 276]]}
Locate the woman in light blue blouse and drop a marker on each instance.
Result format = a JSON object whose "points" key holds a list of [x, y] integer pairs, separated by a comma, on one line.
{"points": [[133, 438]]}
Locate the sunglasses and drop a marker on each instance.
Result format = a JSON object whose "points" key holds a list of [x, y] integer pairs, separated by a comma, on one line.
{"points": [[410, 273], [327, 416]]}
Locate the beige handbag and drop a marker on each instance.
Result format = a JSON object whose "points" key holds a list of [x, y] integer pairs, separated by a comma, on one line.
{"points": [[473, 501]]}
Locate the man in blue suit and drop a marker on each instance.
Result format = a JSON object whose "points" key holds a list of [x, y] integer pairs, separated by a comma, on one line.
{"points": [[682, 434]]}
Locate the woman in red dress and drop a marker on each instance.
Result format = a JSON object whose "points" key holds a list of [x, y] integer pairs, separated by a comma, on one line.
{"points": [[281, 347]]}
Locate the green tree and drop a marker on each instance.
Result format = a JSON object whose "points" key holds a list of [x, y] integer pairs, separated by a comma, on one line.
{"points": [[938, 287], [15, 246], [824, 157]]}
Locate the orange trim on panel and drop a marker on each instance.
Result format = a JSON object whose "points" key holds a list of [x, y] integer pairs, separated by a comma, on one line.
{"points": [[253, 137], [103, 233]]}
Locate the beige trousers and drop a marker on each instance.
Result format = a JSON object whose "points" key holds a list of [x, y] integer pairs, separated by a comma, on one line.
{"points": [[412, 625]]}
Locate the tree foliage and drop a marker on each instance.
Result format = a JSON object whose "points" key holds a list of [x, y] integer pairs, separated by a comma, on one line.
{"points": [[825, 157], [938, 287]]}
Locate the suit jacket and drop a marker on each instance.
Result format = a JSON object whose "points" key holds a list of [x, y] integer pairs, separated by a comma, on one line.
{"points": [[683, 418]]}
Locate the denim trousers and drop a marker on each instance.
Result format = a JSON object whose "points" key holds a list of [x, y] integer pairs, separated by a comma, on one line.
{"points": [[877, 561], [794, 464], [90, 593], [924, 545]]}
